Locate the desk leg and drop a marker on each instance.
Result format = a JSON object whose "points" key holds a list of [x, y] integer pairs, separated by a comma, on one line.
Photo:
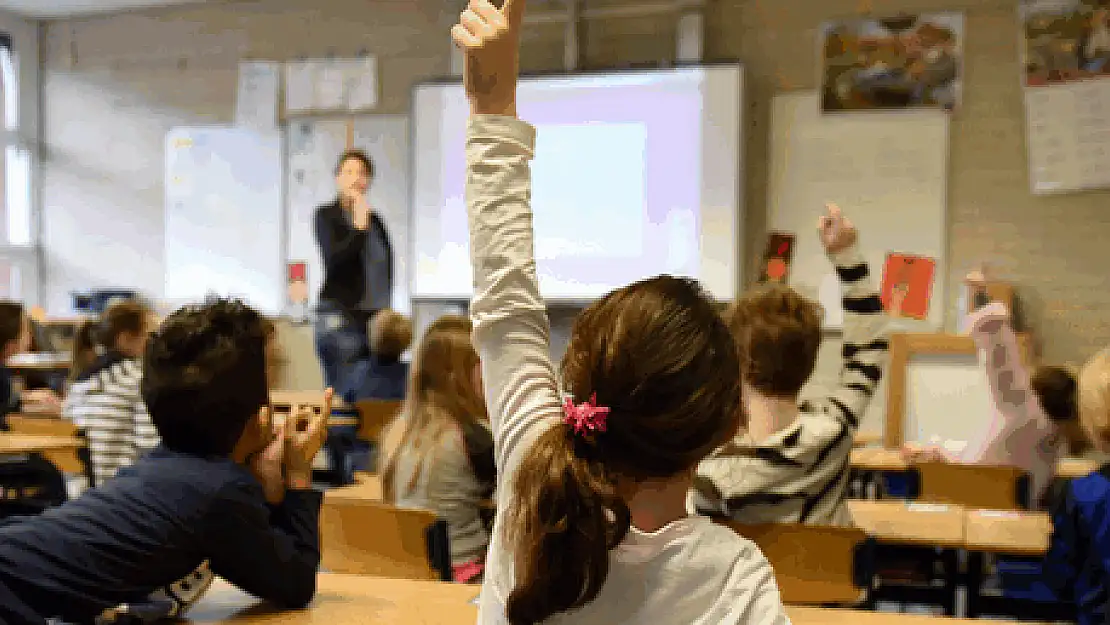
{"points": [[951, 564], [974, 583]]}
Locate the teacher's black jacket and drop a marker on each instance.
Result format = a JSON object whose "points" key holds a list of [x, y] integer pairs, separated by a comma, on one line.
{"points": [[151, 526], [353, 259]]}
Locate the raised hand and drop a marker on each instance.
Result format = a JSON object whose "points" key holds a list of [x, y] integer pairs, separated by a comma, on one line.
{"points": [[490, 38], [835, 230], [360, 210], [303, 443], [977, 278]]}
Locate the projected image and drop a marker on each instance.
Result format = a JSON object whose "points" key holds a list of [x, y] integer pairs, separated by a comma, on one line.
{"points": [[612, 180], [618, 185]]}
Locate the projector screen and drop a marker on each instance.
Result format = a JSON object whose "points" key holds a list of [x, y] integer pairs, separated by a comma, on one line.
{"points": [[635, 174]]}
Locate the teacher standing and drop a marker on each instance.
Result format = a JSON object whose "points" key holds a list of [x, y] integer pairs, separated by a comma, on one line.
{"points": [[358, 269]]}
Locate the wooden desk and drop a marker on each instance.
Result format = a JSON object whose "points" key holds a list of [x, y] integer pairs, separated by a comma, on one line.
{"points": [[58, 450], [878, 459], [371, 600], [349, 599], [1009, 533], [39, 362], [30, 443], [832, 616], [909, 523], [882, 459], [1075, 467], [867, 439]]}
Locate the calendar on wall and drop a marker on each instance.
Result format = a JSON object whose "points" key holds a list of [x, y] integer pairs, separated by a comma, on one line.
{"points": [[1066, 77], [1068, 136]]}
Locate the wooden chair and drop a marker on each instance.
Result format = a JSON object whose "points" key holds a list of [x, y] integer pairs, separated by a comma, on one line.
{"points": [[973, 486], [374, 415], [815, 565], [365, 537]]}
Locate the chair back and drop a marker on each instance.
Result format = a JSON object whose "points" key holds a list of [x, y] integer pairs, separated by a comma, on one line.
{"points": [[361, 536], [374, 415], [815, 565], [973, 486]]}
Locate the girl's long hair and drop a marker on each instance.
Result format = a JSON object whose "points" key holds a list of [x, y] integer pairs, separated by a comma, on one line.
{"points": [[441, 397], [123, 316], [661, 358]]}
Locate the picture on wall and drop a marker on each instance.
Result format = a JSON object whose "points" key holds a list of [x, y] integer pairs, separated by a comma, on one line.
{"points": [[907, 285], [1065, 40], [908, 61]]}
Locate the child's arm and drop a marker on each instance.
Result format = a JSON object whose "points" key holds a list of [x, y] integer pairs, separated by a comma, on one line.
{"points": [[271, 553], [511, 331], [1010, 388], [865, 340]]}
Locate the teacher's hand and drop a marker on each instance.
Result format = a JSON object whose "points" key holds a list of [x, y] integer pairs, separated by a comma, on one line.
{"points": [[360, 211]]}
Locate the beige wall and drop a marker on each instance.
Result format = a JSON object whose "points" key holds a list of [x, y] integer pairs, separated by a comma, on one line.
{"points": [[133, 76]]}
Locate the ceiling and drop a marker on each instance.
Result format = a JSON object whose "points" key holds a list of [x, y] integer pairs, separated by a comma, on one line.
{"points": [[51, 9]]}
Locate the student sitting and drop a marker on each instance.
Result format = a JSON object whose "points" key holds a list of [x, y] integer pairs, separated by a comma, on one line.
{"points": [[591, 519], [15, 338], [104, 399], [792, 465], [1076, 568], [439, 452], [1035, 416], [223, 488], [383, 375]]}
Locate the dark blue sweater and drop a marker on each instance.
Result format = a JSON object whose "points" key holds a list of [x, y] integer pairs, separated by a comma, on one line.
{"points": [[151, 526], [376, 379]]}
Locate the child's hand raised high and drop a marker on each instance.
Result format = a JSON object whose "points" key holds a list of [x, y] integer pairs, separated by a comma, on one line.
{"points": [[835, 230], [490, 37]]}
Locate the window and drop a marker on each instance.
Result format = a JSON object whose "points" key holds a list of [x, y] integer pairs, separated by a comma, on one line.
{"points": [[18, 260]]}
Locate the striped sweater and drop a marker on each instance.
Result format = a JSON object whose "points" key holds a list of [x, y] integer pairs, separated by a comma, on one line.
{"points": [[109, 408], [800, 474]]}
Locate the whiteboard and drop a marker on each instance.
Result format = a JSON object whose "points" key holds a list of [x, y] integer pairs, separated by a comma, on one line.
{"points": [[313, 148], [948, 400], [887, 171], [224, 215]]}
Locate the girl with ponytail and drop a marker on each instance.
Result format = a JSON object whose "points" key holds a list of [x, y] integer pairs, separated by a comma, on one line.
{"points": [[592, 524]]}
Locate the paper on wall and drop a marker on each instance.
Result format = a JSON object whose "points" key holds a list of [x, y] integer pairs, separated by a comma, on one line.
{"points": [[256, 104], [300, 86]]}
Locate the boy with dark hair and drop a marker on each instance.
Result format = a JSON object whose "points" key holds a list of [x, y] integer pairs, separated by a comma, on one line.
{"points": [[791, 465], [224, 491]]}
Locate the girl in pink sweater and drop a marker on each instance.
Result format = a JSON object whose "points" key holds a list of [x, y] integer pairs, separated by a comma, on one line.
{"points": [[1035, 418]]}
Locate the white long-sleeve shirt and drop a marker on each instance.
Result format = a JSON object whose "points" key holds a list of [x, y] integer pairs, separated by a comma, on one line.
{"points": [[690, 572]]}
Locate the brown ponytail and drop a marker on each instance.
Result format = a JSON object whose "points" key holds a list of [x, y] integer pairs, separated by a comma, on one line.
{"points": [[573, 518], [84, 348], [660, 357]]}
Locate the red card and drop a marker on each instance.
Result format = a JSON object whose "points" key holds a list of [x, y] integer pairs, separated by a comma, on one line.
{"points": [[908, 285], [777, 257]]}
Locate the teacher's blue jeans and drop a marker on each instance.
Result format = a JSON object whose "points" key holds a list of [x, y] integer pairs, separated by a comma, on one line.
{"points": [[341, 341]]}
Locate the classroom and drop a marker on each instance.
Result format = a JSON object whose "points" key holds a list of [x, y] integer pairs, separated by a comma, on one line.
{"points": [[364, 311]]}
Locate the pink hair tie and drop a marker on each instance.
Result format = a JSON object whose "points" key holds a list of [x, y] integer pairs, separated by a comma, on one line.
{"points": [[586, 418]]}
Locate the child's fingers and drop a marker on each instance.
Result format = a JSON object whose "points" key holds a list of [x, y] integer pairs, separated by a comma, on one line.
{"points": [[463, 37], [473, 22], [488, 13]]}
